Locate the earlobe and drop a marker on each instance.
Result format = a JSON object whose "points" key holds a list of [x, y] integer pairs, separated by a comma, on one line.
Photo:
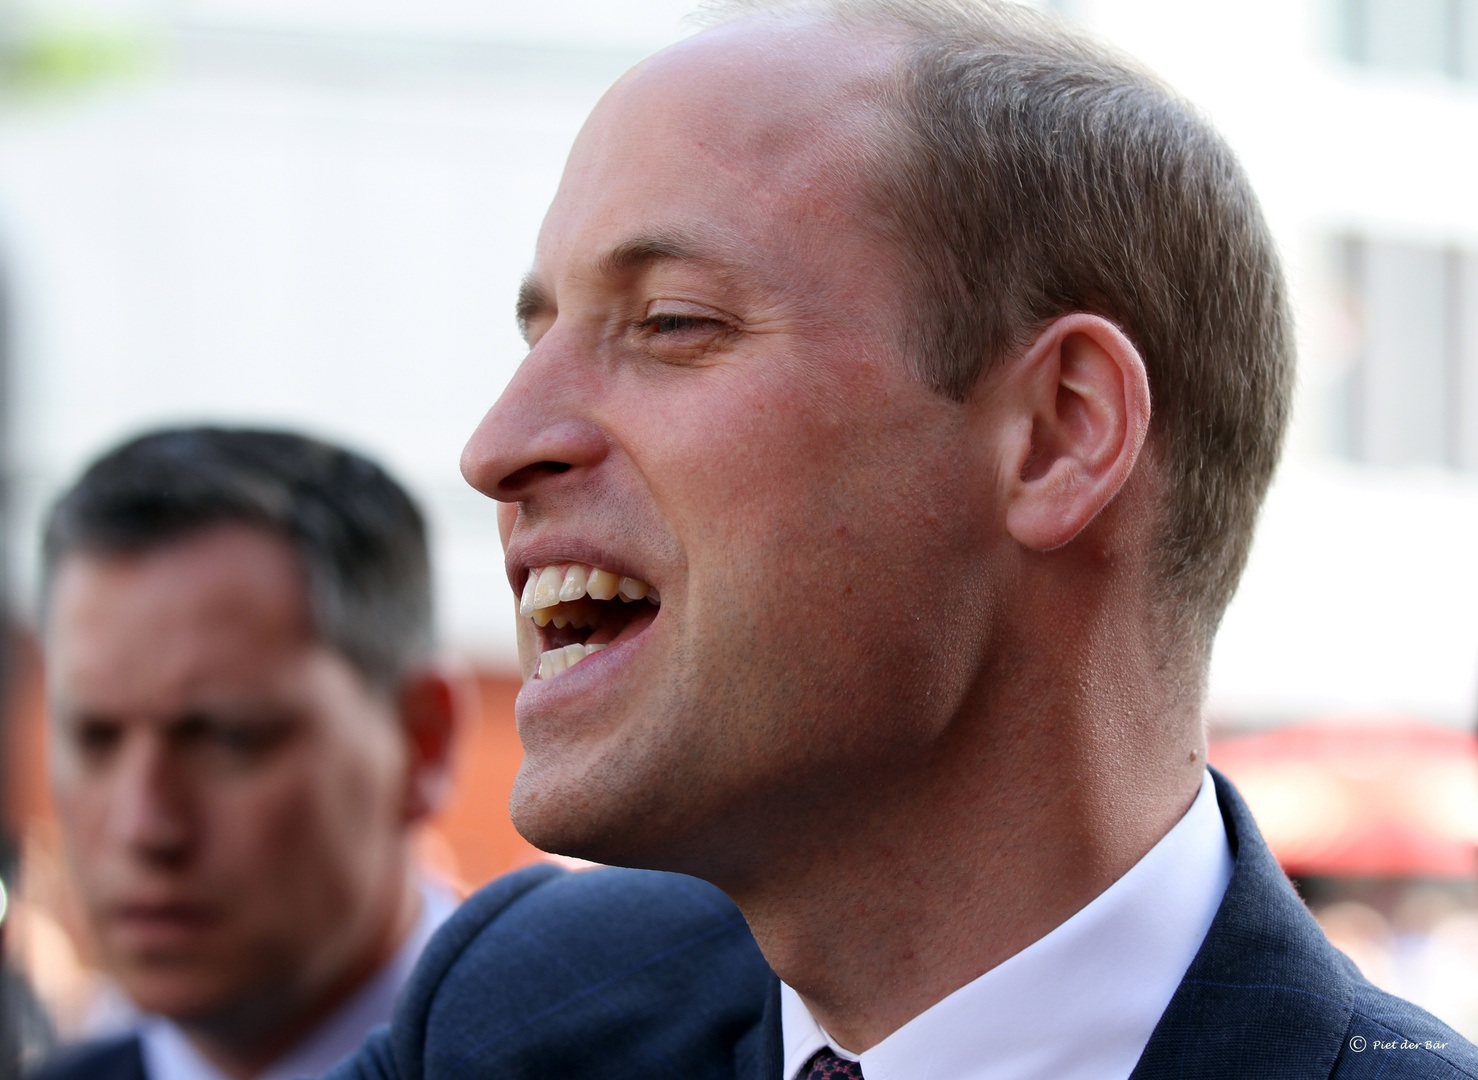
{"points": [[1082, 395]]}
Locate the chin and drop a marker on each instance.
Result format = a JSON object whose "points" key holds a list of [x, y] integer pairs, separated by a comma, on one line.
{"points": [[182, 996], [641, 823], [555, 822], [586, 819]]}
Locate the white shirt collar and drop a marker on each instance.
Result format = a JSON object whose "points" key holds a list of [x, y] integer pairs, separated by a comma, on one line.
{"points": [[1077, 1004], [169, 1054]]}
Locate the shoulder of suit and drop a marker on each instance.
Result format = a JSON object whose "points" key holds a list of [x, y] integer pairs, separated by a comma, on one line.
{"points": [[1270, 993], [632, 910], [598, 973], [1391, 1038], [105, 1059]]}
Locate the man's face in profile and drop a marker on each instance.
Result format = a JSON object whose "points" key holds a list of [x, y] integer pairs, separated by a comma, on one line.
{"points": [[229, 788], [717, 402]]}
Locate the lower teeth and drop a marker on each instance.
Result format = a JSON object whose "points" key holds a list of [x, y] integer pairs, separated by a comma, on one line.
{"points": [[555, 661]]}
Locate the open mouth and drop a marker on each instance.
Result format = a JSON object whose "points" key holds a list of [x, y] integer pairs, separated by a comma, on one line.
{"points": [[579, 610]]}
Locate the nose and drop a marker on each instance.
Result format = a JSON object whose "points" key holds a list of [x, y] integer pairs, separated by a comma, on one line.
{"points": [[151, 816], [539, 434]]}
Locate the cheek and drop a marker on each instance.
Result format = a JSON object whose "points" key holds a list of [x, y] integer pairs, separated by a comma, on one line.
{"points": [[828, 480], [823, 532], [755, 455], [268, 829], [314, 825], [84, 812]]}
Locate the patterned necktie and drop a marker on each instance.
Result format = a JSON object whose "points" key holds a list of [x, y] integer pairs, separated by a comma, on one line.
{"points": [[827, 1066]]}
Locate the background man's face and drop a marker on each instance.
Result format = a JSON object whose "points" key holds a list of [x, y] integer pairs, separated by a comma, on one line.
{"points": [[231, 792], [716, 359]]}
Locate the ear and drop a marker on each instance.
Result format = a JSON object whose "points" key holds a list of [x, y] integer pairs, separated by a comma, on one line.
{"points": [[1081, 400], [431, 705]]}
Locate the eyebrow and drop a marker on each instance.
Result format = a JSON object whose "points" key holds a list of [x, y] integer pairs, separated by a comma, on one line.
{"points": [[625, 258], [642, 251]]}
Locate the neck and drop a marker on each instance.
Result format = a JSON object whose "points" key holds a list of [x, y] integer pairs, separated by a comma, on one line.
{"points": [[245, 1040], [931, 876]]}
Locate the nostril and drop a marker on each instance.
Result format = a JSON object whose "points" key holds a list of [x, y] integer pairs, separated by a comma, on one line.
{"points": [[529, 474]]}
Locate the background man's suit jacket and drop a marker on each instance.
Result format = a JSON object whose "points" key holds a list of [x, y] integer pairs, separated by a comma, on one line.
{"points": [[630, 975], [105, 1059]]}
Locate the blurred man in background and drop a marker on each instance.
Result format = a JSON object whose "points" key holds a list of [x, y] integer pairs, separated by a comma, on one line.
{"points": [[246, 724]]}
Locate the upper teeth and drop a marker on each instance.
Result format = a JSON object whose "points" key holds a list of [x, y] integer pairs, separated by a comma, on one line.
{"points": [[550, 586]]}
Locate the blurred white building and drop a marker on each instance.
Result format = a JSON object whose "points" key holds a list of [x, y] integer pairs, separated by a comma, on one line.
{"points": [[315, 212]]}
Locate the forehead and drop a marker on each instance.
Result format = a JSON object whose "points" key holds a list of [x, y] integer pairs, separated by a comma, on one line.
{"points": [[232, 596], [748, 139]]}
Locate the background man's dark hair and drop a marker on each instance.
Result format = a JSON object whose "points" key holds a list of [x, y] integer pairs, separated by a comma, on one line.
{"points": [[361, 538], [1034, 172]]}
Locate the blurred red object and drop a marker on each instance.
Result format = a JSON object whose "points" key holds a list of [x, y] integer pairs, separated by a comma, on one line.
{"points": [[1393, 798]]}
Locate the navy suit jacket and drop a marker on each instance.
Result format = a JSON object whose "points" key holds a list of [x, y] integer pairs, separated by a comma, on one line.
{"points": [[617, 974], [104, 1059]]}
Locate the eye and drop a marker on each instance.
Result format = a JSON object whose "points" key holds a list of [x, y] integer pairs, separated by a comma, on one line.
{"points": [[672, 323], [232, 742], [676, 322], [96, 738], [681, 330]]}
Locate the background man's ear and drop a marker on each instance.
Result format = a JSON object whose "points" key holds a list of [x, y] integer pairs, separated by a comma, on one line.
{"points": [[1082, 386], [432, 705]]}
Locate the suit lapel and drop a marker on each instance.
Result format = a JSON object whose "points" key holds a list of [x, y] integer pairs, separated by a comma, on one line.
{"points": [[760, 1053], [1266, 994]]}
